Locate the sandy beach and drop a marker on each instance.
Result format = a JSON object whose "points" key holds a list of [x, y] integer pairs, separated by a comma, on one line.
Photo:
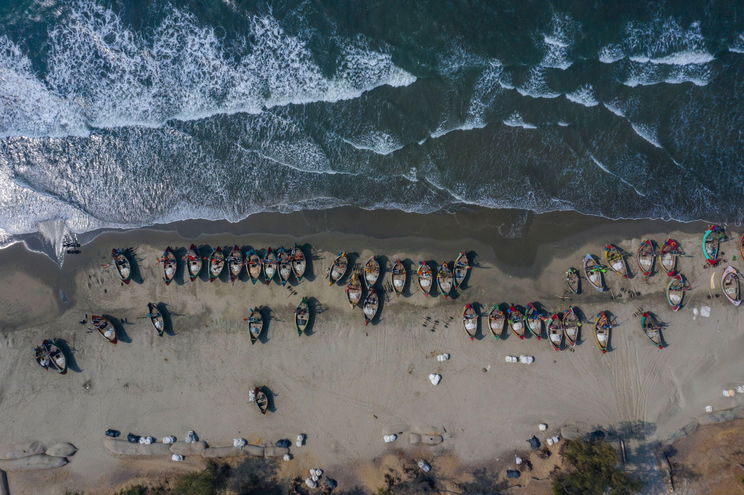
{"points": [[346, 385]]}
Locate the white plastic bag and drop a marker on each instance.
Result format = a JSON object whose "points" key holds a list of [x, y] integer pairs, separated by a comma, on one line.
{"points": [[300, 440], [424, 466], [239, 443], [390, 438], [542, 427], [311, 483], [435, 378], [190, 437], [169, 440], [176, 458]]}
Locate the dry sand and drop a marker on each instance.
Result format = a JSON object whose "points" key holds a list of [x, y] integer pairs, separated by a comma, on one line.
{"points": [[346, 385]]}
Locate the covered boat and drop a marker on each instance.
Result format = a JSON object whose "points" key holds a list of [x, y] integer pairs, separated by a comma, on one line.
{"points": [[354, 290], [445, 279], [593, 272], [371, 271], [269, 266], [103, 326], [425, 277], [262, 400], [338, 269], [730, 285], [285, 265], [668, 255], [462, 265], [302, 316], [573, 280], [121, 262], [646, 257], [156, 318], [216, 264], [398, 276], [299, 263], [371, 305], [235, 263], [193, 262], [470, 320], [616, 260], [555, 332], [712, 244], [255, 324], [675, 292], [496, 321], [516, 321], [170, 265], [254, 265], [602, 328], [534, 319], [571, 326], [652, 328]]}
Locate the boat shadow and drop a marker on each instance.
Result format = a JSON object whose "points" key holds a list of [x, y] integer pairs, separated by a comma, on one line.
{"points": [[269, 397], [266, 316], [135, 275], [478, 307], [309, 274], [313, 308], [204, 272], [383, 261], [167, 320], [408, 267], [69, 354], [181, 271], [121, 333]]}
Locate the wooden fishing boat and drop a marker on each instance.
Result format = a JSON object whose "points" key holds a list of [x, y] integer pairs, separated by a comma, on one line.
{"points": [[651, 327], [668, 255], [216, 264], [371, 305], [371, 272], [156, 318], [49, 356], [398, 277], [675, 292], [42, 357], [712, 244], [516, 321], [262, 401], [470, 321], [593, 272], [555, 332], [269, 266], [730, 285], [425, 277], [299, 263], [496, 321], [354, 290], [602, 328], [573, 280], [255, 324], [338, 269], [571, 326], [646, 257], [616, 260], [193, 262], [302, 316], [462, 265], [103, 326], [170, 265], [235, 263], [254, 265], [121, 262], [444, 279], [534, 319], [285, 265]]}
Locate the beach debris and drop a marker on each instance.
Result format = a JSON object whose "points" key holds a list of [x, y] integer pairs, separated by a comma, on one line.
{"points": [[132, 438], [524, 359], [424, 466], [190, 437], [390, 438], [239, 443], [709, 409], [443, 357], [316, 474], [330, 483], [534, 442], [177, 458], [112, 433], [311, 483], [170, 439], [695, 313], [513, 473], [284, 443], [287, 457], [146, 440], [301, 440], [511, 359], [729, 392], [542, 426], [740, 389], [435, 378], [705, 311], [252, 396], [553, 440]]}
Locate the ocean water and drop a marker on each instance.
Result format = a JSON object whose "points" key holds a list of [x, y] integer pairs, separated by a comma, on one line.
{"points": [[125, 114]]}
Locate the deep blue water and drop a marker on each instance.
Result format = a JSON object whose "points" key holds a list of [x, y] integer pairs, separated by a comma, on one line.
{"points": [[131, 113]]}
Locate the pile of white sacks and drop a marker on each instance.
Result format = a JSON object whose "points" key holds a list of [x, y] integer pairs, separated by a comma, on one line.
{"points": [[524, 359]]}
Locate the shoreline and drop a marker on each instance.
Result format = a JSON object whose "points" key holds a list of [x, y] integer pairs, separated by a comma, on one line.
{"points": [[347, 384]]}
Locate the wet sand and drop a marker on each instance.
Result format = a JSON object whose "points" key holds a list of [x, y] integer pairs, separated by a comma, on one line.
{"points": [[346, 385]]}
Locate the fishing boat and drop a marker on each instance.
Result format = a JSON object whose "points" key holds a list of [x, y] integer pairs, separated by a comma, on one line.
{"points": [[269, 266], [571, 326], [675, 292], [42, 357], [216, 264], [462, 265], [496, 321], [616, 260], [255, 324], [121, 262], [170, 265], [534, 319], [646, 257], [285, 265], [651, 327], [156, 318], [371, 305], [444, 279], [371, 272], [49, 356], [338, 269], [593, 272], [470, 320], [103, 326], [262, 401], [425, 277], [730, 285], [573, 280], [254, 265], [235, 263], [299, 263], [602, 327], [516, 321], [354, 290], [668, 255], [398, 277], [302, 316], [712, 244], [555, 332], [193, 262]]}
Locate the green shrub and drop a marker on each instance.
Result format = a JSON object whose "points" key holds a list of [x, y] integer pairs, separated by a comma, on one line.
{"points": [[592, 470]]}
